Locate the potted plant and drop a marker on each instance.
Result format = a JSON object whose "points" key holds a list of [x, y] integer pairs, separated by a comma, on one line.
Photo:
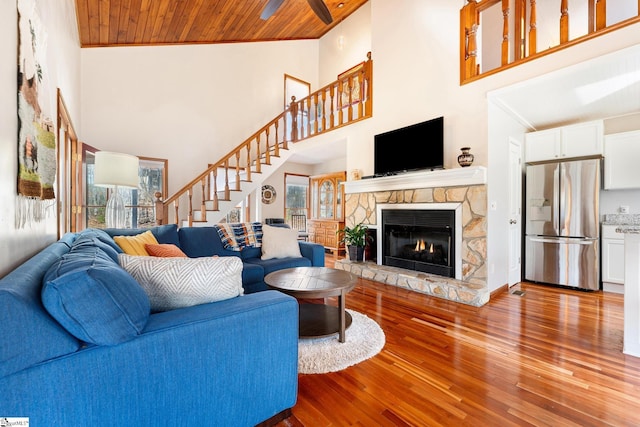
{"points": [[355, 239]]}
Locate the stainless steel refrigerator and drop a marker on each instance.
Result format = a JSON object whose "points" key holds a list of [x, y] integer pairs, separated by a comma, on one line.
{"points": [[562, 228]]}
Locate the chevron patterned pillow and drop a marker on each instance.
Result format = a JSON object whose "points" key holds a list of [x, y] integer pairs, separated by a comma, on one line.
{"points": [[173, 283]]}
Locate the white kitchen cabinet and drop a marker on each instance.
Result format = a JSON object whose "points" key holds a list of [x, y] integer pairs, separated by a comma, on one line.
{"points": [[542, 145], [612, 259], [579, 140], [621, 154]]}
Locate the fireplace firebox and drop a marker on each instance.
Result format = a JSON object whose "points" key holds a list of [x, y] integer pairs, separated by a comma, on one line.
{"points": [[420, 240]]}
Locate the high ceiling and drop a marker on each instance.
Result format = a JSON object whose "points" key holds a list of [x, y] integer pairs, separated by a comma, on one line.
{"points": [[155, 22]]}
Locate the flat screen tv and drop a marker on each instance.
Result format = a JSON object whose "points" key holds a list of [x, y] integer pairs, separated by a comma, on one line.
{"points": [[411, 148]]}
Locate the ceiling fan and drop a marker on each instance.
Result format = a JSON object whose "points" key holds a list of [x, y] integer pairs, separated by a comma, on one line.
{"points": [[318, 6]]}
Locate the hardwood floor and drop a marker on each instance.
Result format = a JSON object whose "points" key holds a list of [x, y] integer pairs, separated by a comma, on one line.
{"points": [[550, 357]]}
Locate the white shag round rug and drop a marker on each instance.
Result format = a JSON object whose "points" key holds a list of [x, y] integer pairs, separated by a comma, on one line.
{"points": [[363, 340]]}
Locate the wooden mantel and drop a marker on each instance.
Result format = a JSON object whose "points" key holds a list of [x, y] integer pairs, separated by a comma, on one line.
{"points": [[472, 175]]}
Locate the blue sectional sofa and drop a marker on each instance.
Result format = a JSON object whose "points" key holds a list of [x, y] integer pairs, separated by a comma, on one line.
{"points": [[205, 241], [114, 362]]}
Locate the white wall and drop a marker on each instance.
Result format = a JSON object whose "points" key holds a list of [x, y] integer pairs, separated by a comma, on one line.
{"points": [[188, 104], [502, 128], [63, 65], [611, 200], [356, 36]]}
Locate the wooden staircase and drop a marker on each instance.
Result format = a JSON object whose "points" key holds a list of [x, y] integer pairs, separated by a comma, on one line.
{"points": [[208, 198]]}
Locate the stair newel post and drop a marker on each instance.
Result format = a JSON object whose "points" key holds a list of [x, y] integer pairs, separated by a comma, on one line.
{"points": [[203, 206], [214, 173], [237, 170], [368, 94], [258, 155], [227, 191], [294, 119], [161, 209]]}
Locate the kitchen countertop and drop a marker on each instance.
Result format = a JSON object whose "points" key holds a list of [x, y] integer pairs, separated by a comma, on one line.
{"points": [[626, 223], [621, 219]]}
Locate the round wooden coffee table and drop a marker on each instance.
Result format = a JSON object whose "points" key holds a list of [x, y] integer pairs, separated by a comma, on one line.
{"points": [[316, 320]]}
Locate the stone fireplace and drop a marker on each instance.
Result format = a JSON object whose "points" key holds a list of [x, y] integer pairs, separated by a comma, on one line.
{"points": [[462, 193]]}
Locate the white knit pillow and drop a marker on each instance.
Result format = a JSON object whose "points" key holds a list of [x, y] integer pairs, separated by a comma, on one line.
{"points": [[279, 242], [173, 283]]}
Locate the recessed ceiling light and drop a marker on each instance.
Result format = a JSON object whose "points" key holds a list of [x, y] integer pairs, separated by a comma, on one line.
{"points": [[341, 4]]}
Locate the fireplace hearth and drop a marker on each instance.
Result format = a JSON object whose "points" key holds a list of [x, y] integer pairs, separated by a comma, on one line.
{"points": [[419, 240]]}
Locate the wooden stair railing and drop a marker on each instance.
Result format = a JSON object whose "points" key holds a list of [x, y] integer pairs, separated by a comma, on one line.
{"points": [[525, 42], [347, 100]]}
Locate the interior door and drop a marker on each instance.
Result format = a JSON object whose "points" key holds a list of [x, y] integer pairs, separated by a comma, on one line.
{"points": [[515, 212]]}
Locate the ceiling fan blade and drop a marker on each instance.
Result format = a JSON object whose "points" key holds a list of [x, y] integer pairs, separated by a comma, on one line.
{"points": [[321, 9], [270, 8]]}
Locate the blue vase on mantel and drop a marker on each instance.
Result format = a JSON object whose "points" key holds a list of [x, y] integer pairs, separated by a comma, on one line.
{"points": [[466, 158]]}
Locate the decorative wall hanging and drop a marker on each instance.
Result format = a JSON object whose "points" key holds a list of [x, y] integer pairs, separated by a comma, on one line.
{"points": [[268, 194], [36, 109]]}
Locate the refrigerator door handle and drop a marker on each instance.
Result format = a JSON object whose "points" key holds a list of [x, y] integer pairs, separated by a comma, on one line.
{"points": [[557, 199], [564, 241]]}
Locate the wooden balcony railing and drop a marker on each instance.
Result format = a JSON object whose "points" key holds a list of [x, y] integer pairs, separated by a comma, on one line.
{"points": [[488, 44], [340, 103]]}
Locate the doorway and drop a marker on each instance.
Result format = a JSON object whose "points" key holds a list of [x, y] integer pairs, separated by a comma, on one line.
{"points": [[515, 212]]}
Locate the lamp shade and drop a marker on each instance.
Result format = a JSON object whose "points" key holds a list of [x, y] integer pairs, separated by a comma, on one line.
{"points": [[115, 169]]}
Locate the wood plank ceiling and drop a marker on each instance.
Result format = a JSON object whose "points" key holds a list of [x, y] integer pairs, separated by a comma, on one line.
{"points": [[104, 23]]}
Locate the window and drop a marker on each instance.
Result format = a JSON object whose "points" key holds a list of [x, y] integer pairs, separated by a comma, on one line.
{"points": [[139, 203], [296, 196]]}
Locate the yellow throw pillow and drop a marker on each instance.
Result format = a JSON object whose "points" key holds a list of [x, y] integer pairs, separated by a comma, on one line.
{"points": [[134, 245]]}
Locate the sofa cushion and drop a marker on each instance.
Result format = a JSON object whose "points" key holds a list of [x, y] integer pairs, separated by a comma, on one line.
{"points": [[163, 233], [202, 241], [29, 334], [275, 264], [92, 241], [252, 277], [173, 283], [250, 252], [279, 242], [102, 236], [93, 298], [164, 250], [135, 245]]}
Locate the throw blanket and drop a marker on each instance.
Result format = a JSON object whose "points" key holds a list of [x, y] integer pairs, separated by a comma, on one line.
{"points": [[238, 235]]}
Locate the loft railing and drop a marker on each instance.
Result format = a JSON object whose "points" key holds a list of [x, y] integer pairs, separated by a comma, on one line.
{"points": [[499, 34], [340, 103]]}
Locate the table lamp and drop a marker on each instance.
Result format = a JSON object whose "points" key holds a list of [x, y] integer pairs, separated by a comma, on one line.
{"points": [[115, 170]]}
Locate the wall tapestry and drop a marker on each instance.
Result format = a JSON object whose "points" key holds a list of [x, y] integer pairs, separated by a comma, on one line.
{"points": [[36, 108]]}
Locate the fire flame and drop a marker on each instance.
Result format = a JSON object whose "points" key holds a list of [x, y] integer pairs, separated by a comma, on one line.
{"points": [[420, 246]]}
